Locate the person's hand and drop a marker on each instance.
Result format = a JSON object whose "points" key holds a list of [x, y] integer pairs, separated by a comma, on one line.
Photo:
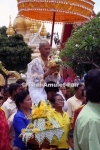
{"points": [[16, 148], [52, 70]]}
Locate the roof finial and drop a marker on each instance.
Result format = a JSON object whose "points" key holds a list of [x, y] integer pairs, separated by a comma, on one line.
{"points": [[10, 30], [43, 31]]}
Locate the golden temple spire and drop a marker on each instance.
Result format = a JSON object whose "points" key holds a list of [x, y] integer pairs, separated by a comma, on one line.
{"points": [[34, 28], [10, 30], [43, 31]]}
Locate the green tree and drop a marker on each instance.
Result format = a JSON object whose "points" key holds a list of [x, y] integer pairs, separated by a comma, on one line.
{"points": [[14, 52], [3, 30], [82, 50]]}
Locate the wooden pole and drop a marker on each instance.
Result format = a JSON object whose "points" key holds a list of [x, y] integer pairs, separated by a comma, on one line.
{"points": [[52, 28]]}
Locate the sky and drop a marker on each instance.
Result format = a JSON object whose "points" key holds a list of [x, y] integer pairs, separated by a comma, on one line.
{"points": [[9, 8]]}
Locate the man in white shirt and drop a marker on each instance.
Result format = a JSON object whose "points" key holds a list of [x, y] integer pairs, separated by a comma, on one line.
{"points": [[9, 106], [38, 73], [76, 100]]}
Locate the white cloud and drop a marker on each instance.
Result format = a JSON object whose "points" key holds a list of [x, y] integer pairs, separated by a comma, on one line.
{"points": [[4, 15], [7, 8]]}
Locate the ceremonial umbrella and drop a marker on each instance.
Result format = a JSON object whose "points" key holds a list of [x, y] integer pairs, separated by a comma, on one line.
{"points": [[68, 11]]}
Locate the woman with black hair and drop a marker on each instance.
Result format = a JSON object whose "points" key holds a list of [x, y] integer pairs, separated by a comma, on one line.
{"points": [[21, 118]]}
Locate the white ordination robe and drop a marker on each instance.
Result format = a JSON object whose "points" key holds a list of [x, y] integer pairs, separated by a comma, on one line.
{"points": [[36, 82]]}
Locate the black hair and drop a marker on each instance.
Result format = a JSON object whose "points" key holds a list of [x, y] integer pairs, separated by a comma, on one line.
{"points": [[92, 85], [67, 75], [6, 86], [77, 87], [83, 92], [70, 133], [67, 87], [6, 89], [19, 98], [1, 87], [20, 81], [53, 98], [1, 97], [13, 87], [51, 86]]}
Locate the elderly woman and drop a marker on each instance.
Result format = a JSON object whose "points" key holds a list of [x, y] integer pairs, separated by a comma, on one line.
{"points": [[63, 119], [21, 118]]}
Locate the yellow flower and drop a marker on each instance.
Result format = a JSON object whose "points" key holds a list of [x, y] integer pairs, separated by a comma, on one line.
{"points": [[23, 130], [30, 126], [42, 104], [42, 110], [35, 130], [37, 111]]}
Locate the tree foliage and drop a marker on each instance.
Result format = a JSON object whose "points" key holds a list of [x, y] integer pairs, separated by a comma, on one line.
{"points": [[14, 52], [82, 50]]}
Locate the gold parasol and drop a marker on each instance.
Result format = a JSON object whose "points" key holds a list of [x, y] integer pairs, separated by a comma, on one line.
{"points": [[70, 11]]}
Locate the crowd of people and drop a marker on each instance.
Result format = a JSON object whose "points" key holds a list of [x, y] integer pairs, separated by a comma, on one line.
{"points": [[18, 105], [78, 112]]}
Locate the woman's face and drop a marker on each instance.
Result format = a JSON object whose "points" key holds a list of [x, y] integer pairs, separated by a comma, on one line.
{"points": [[27, 103], [59, 102]]}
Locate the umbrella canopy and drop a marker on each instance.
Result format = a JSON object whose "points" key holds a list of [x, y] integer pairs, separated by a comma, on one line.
{"points": [[70, 11]]}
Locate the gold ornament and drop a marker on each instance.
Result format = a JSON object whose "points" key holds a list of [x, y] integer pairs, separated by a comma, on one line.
{"points": [[43, 31], [34, 28]]}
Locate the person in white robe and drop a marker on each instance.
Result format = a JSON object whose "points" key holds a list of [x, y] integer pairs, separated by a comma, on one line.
{"points": [[38, 74]]}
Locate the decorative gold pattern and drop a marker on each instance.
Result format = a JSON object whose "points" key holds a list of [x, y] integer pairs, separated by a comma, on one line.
{"points": [[2, 80], [15, 74], [66, 10], [12, 73], [3, 69], [34, 28], [21, 23]]}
